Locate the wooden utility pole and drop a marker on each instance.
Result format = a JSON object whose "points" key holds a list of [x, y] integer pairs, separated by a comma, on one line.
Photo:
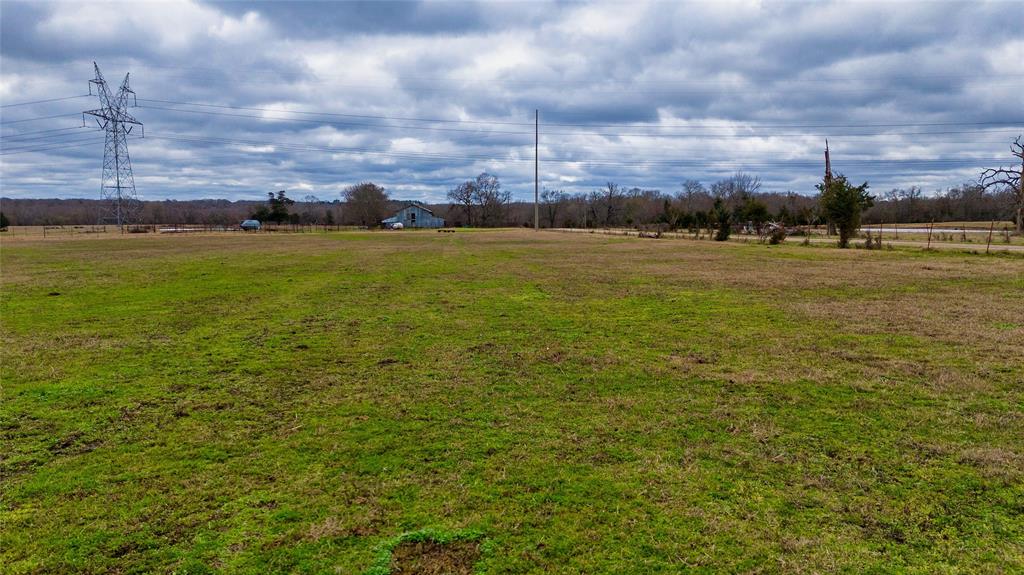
{"points": [[830, 228], [536, 170], [828, 166]]}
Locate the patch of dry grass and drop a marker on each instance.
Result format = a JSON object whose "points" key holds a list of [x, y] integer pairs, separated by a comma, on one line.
{"points": [[253, 403]]}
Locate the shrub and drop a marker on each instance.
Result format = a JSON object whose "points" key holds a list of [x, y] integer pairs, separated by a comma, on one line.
{"points": [[724, 220], [844, 203]]}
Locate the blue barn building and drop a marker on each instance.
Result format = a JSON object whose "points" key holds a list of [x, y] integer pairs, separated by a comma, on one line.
{"points": [[414, 215]]}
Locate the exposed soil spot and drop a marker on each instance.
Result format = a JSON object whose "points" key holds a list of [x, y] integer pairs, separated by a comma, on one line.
{"points": [[387, 361], [73, 445], [65, 443], [124, 549], [692, 358], [53, 293], [433, 558]]}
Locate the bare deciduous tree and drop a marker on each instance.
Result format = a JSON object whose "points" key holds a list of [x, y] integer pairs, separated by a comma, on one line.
{"points": [[365, 203], [491, 199], [552, 201], [736, 188], [1012, 179], [464, 195], [693, 191], [610, 198], [483, 196]]}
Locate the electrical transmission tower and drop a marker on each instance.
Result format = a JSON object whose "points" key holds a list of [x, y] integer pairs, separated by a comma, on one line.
{"points": [[117, 188]]}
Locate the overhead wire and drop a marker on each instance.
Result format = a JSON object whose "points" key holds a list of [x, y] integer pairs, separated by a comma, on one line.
{"points": [[561, 80], [43, 101], [69, 138], [441, 84], [29, 141], [587, 161], [18, 135], [576, 133], [588, 125], [6, 152], [22, 120]]}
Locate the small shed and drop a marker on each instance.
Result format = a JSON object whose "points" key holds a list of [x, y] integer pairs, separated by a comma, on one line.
{"points": [[414, 215]]}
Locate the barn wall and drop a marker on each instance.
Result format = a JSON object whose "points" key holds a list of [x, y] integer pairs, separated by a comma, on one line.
{"points": [[424, 219]]}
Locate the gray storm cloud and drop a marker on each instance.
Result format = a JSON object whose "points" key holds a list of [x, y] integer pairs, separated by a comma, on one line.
{"points": [[242, 98]]}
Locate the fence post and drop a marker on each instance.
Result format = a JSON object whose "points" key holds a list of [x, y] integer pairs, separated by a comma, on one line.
{"points": [[990, 228]]}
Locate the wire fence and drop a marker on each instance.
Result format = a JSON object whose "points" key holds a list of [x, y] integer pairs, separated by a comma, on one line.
{"points": [[66, 231]]}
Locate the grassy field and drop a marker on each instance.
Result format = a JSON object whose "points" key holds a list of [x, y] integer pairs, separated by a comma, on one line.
{"points": [[521, 402], [946, 235]]}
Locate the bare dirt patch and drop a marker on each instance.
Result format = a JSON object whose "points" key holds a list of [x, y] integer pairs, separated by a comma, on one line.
{"points": [[433, 558]]}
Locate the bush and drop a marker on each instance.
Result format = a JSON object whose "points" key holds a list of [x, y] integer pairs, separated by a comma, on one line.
{"points": [[724, 220], [844, 203]]}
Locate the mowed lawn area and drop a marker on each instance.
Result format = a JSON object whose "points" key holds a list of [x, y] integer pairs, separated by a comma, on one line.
{"points": [[570, 403]]}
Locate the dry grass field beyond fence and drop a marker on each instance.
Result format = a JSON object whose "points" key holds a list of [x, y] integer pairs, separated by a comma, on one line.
{"points": [[507, 402]]}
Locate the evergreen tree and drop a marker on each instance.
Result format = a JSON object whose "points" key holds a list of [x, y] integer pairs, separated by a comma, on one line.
{"points": [[843, 204], [723, 217], [279, 206]]}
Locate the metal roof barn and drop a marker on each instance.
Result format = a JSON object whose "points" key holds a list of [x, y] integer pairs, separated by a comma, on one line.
{"points": [[414, 216]]}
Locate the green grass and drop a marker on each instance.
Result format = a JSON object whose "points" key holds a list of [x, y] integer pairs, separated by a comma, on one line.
{"points": [[276, 403]]}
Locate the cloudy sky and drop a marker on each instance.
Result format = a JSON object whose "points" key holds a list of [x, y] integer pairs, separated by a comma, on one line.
{"points": [[239, 99]]}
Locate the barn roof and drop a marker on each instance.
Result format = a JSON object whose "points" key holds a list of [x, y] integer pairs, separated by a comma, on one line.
{"points": [[409, 204]]}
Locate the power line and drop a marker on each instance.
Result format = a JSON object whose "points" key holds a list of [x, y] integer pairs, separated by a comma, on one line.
{"points": [[18, 135], [332, 122], [336, 114], [49, 148], [496, 90], [44, 101], [702, 162], [645, 161], [577, 133], [6, 122], [820, 79], [586, 125], [702, 124], [72, 138], [461, 85]]}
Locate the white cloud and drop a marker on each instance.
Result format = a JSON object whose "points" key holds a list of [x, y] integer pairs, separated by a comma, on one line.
{"points": [[174, 26], [705, 71]]}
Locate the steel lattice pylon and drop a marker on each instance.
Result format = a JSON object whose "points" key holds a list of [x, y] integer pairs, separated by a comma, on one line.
{"points": [[117, 189]]}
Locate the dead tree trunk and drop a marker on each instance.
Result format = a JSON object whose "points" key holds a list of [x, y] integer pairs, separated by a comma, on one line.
{"points": [[1012, 179]]}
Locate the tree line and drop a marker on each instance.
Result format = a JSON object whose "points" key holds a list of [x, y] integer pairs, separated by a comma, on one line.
{"points": [[722, 205], [486, 205]]}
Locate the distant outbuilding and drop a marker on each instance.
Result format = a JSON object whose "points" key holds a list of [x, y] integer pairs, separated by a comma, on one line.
{"points": [[414, 215], [251, 225]]}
